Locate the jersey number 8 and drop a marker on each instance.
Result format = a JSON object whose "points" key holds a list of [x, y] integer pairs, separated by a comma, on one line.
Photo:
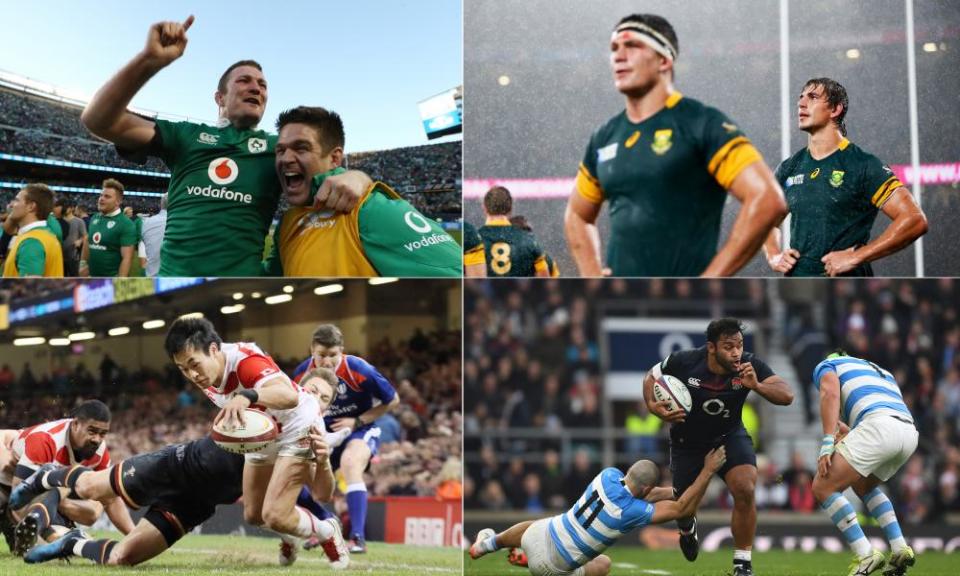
{"points": [[500, 258]]}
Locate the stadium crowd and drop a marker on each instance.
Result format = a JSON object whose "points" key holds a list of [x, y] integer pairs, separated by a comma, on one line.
{"points": [[154, 408], [533, 362], [428, 176]]}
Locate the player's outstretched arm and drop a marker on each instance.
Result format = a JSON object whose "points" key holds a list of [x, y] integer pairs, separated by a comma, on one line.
{"points": [[119, 514], [659, 494], [762, 207], [908, 223], [106, 115], [323, 482], [686, 505], [342, 192], [583, 237]]}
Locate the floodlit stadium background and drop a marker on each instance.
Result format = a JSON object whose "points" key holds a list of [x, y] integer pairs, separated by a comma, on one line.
{"points": [[539, 82]]}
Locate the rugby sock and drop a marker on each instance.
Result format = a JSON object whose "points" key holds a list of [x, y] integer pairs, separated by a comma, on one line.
{"points": [[882, 510], [96, 550], [47, 507], [65, 477], [840, 511], [357, 505], [490, 544], [307, 501], [742, 557], [308, 525]]}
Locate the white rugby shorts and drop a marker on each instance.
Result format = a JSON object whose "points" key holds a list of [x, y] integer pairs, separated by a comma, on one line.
{"points": [[538, 545], [879, 445]]}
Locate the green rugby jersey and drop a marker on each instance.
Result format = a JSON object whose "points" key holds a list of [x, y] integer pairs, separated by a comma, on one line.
{"points": [[510, 251], [106, 234], [833, 203], [222, 196], [666, 181]]}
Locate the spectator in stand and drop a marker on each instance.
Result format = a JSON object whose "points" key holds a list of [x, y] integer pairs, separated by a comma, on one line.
{"points": [[152, 238], [74, 235]]}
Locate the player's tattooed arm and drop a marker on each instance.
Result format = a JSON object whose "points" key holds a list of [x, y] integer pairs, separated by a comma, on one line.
{"points": [[774, 388], [106, 115]]}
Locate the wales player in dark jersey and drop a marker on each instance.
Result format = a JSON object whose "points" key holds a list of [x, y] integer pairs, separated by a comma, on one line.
{"points": [[664, 164], [223, 189], [474, 257], [719, 377], [181, 484], [834, 190], [511, 251]]}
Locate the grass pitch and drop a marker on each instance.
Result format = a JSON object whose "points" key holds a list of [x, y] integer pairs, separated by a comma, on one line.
{"points": [[628, 561], [200, 555]]}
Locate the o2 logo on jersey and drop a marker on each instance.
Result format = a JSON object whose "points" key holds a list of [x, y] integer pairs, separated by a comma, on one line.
{"points": [[716, 407], [417, 222], [223, 171], [96, 237]]}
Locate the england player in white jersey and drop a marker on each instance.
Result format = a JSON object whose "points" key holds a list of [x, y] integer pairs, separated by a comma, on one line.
{"points": [[612, 504], [239, 376], [868, 434]]}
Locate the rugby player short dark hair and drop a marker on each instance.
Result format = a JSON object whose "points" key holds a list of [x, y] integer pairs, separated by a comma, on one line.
{"points": [[59, 200], [114, 184], [520, 222], [42, 196], [498, 201], [92, 410], [723, 327], [327, 335], [836, 95], [222, 84], [325, 374], [326, 123], [659, 24], [196, 333]]}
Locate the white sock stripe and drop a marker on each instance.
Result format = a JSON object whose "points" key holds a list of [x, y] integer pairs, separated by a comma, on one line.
{"points": [[875, 501], [358, 487], [837, 505], [78, 547], [742, 555], [887, 518]]}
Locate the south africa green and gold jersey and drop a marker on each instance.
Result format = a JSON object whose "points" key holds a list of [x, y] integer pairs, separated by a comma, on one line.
{"points": [[510, 251], [222, 196], [666, 181], [833, 203]]}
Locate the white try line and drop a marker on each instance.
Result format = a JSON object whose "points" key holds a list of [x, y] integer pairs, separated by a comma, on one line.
{"points": [[215, 552]]}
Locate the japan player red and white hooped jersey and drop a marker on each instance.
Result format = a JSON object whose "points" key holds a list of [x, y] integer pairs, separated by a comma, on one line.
{"points": [[247, 368], [50, 442]]}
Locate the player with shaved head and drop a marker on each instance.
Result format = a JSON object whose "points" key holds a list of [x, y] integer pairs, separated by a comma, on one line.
{"points": [[612, 504]]}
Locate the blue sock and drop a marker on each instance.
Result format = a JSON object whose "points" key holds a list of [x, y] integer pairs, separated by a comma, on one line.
{"points": [[357, 504], [882, 510], [306, 500], [843, 515]]}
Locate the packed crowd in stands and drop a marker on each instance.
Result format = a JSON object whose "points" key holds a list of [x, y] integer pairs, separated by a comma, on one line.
{"points": [[87, 203], [154, 408], [532, 361], [428, 176]]}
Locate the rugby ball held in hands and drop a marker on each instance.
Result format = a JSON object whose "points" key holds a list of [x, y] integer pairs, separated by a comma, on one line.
{"points": [[258, 431], [671, 388]]}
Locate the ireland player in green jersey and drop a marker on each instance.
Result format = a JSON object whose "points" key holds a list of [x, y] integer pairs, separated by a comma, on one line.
{"points": [[664, 164], [511, 251], [111, 236], [835, 190], [223, 190]]}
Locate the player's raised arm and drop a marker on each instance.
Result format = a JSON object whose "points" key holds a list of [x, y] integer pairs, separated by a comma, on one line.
{"points": [[106, 115], [583, 237], [686, 505], [762, 206], [908, 223]]}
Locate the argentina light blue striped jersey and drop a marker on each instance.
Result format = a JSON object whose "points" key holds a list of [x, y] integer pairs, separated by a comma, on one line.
{"points": [[865, 388], [605, 511]]}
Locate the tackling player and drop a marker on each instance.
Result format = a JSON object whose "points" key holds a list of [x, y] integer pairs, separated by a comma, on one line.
{"points": [[474, 258], [612, 504], [182, 485], [111, 236], [53, 445], [510, 251], [363, 395], [236, 376], [834, 190], [664, 164], [223, 190], [382, 236], [719, 377], [868, 434], [35, 250]]}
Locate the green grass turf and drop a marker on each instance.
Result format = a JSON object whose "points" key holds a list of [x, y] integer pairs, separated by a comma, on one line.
{"points": [[638, 561], [200, 555]]}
